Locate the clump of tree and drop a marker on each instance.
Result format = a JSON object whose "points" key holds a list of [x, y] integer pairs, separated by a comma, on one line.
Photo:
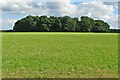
{"points": [[60, 24], [114, 30]]}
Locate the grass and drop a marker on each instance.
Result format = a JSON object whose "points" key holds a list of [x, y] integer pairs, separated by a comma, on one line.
{"points": [[59, 55]]}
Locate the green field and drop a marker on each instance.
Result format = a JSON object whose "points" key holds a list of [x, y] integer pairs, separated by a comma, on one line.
{"points": [[59, 55]]}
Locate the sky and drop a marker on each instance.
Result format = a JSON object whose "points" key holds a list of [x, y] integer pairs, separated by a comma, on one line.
{"points": [[13, 10]]}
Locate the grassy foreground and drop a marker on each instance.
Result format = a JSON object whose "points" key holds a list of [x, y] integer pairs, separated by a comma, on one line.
{"points": [[59, 55]]}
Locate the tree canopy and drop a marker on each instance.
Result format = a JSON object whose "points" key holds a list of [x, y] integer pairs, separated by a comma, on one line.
{"points": [[61, 24]]}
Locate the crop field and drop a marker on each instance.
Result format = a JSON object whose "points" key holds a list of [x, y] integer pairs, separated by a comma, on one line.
{"points": [[59, 55]]}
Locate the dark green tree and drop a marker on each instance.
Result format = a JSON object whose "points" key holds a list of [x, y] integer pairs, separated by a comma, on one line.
{"points": [[68, 23], [55, 23], [77, 24], [100, 26], [42, 24], [65, 23], [25, 24], [86, 24]]}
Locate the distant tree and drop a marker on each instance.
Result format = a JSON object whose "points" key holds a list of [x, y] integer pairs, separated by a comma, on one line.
{"points": [[55, 23], [25, 24], [86, 24], [68, 23], [72, 24], [65, 23], [100, 26], [77, 24], [114, 30], [36, 20], [42, 24]]}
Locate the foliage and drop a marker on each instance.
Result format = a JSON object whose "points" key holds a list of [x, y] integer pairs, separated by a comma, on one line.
{"points": [[100, 26], [86, 24], [65, 23], [115, 30]]}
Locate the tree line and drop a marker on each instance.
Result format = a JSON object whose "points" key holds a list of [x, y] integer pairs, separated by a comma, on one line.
{"points": [[60, 24]]}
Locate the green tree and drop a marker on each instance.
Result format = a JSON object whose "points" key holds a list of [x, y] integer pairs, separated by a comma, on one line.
{"points": [[55, 23], [65, 23], [42, 24], [25, 24], [100, 26], [86, 24], [77, 24], [68, 23]]}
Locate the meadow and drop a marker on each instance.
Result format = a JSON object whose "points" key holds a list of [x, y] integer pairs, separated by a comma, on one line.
{"points": [[59, 55]]}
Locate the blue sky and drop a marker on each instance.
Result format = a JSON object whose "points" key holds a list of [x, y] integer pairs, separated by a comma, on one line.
{"points": [[14, 10]]}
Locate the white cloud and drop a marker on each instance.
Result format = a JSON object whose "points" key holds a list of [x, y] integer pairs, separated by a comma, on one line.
{"points": [[0, 24], [96, 9], [23, 8], [16, 6], [109, 0], [57, 0], [60, 8], [7, 23], [54, 1], [39, 8], [16, 0]]}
